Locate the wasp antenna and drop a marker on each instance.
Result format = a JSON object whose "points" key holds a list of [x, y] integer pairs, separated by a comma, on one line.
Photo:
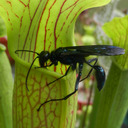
{"points": [[26, 51], [29, 72]]}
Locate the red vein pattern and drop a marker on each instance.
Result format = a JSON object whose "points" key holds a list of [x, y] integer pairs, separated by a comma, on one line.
{"points": [[42, 25], [47, 26], [25, 103]]}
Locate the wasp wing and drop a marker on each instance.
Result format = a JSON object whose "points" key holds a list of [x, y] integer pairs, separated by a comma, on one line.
{"points": [[99, 50]]}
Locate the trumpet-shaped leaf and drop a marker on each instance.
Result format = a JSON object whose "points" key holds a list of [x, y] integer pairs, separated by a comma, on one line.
{"points": [[41, 25], [112, 102]]}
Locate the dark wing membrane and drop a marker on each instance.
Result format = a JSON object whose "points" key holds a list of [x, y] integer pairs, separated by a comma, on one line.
{"points": [[75, 54], [100, 50]]}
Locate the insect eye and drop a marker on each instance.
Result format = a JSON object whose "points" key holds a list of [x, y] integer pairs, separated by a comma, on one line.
{"points": [[44, 56]]}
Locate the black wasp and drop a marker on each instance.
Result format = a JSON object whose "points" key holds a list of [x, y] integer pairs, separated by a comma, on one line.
{"points": [[72, 56]]}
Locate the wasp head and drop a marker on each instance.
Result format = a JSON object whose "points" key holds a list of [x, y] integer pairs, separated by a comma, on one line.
{"points": [[43, 58]]}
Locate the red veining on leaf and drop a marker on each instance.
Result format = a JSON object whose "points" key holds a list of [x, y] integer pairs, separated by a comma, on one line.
{"points": [[31, 41], [73, 18], [23, 3], [55, 36], [7, 16], [61, 70], [47, 23], [49, 46], [29, 101], [65, 68], [35, 84], [30, 24], [31, 19], [39, 25], [54, 68], [76, 14], [9, 2], [74, 4]]}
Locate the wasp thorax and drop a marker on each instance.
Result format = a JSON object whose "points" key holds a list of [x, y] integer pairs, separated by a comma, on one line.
{"points": [[54, 58]]}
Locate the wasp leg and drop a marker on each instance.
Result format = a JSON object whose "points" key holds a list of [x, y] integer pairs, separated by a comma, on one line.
{"points": [[45, 66], [60, 77], [90, 61], [100, 74], [66, 97]]}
